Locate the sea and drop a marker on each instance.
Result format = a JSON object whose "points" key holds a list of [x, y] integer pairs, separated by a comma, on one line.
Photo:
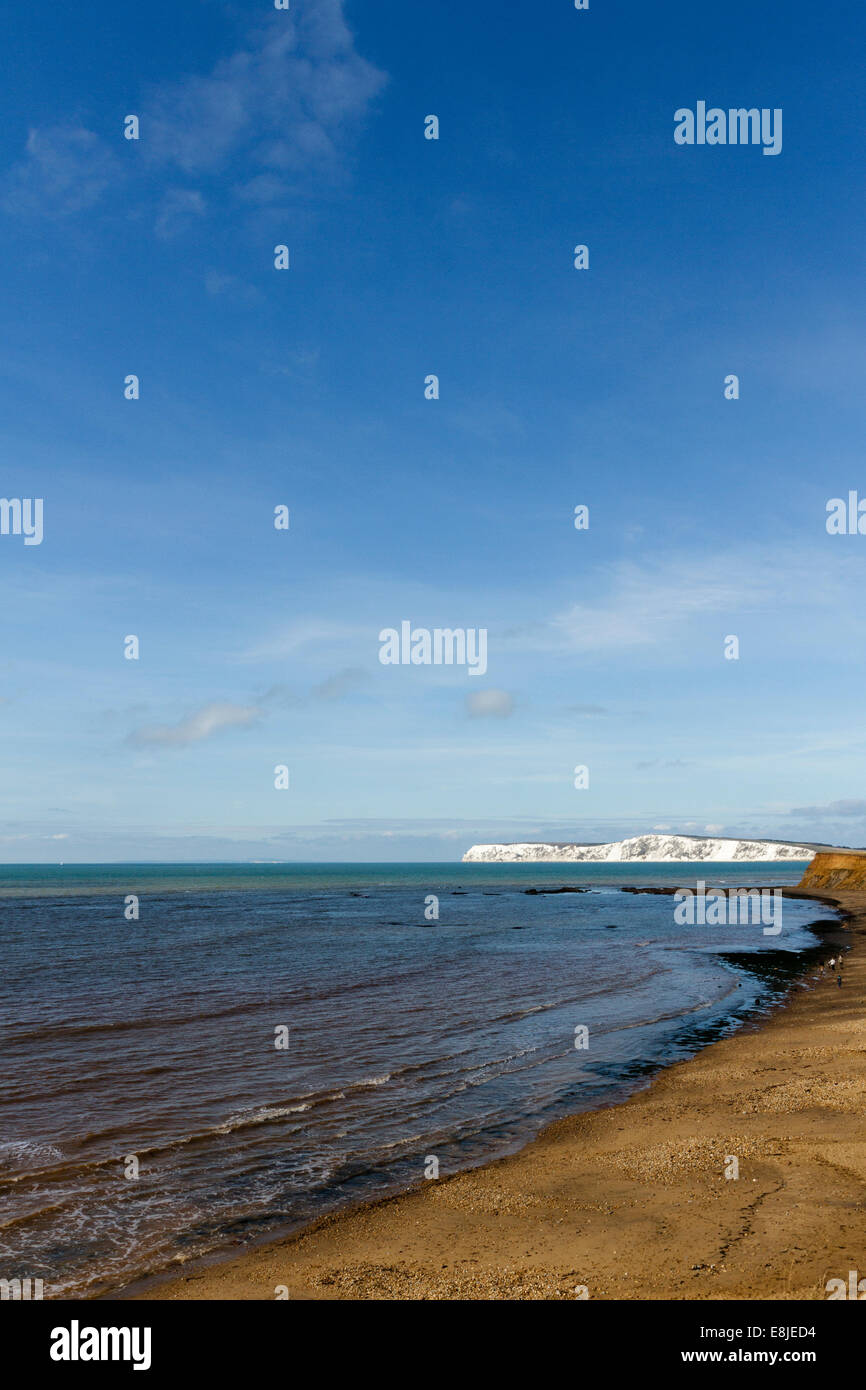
{"points": [[201, 1056]]}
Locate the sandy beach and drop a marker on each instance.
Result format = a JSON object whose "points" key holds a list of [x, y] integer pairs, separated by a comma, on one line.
{"points": [[631, 1201]]}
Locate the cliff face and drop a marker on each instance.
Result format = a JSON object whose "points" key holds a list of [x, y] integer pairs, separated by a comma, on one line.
{"points": [[836, 869], [659, 849]]}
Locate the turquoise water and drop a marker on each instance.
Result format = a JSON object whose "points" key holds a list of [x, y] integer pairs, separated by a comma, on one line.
{"points": [[39, 879]]}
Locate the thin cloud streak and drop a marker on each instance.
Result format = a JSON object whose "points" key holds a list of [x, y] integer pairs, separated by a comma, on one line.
{"points": [[283, 105], [202, 724]]}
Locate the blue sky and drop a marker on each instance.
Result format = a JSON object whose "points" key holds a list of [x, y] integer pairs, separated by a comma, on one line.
{"points": [[305, 388]]}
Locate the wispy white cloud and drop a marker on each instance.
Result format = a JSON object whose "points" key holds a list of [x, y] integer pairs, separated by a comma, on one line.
{"points": [[647, 602], [843, 809], [343, 683], [284, 103], [650, 603], [203, 723], [64, 170], [489, 704], [216, 283], [179, 208], [335, 687], [283, 100], [313, 634]]}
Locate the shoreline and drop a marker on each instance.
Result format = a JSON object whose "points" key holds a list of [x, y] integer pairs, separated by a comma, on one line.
{"points": [[600, 1200]]}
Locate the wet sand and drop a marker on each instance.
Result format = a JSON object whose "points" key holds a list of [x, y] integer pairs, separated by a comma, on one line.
{"points": [[632, 1201]]}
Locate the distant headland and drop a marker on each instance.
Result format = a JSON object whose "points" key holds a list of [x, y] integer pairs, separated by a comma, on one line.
{"points": [[656, 849]]}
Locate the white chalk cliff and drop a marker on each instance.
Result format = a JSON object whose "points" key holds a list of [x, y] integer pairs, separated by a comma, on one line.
{"points": [[656, 849]]}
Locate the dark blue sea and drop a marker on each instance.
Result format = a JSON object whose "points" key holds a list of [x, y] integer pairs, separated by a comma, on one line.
{"points": [[148, 1116]]}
